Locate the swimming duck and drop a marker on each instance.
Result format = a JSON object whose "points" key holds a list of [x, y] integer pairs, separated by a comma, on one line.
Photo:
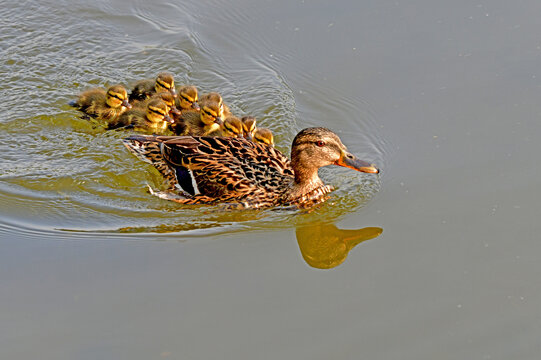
{"points": [[102, 104], [199, 123], [144, 89], [243, 174], [248, 124], [154, 118], [232, 126], [167, 98], [187, 98], [214, 96], [263, 136]]}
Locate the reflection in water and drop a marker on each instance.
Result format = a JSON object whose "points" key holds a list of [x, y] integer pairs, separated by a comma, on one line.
{"points": [[324, 246]]}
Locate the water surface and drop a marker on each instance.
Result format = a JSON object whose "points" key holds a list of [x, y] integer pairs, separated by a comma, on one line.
{"points": [[443, 96]]}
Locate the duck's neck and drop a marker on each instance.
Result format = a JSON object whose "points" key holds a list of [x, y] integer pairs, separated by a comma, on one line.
{"points": [[306, 181]]}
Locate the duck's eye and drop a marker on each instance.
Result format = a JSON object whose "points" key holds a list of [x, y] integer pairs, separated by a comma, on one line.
{"points": [[320, 143]]}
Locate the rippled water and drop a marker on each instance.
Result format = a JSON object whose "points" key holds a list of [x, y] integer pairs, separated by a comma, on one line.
{"points": [[436, 257], [80, 177]]}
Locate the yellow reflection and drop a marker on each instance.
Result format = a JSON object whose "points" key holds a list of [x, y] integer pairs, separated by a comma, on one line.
{"points": [[324, 246]]}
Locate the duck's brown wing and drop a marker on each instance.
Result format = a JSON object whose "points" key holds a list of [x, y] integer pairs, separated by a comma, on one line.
{"points": [[216, 169]]}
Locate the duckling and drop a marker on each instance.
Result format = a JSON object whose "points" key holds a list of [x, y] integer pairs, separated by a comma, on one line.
{"points": [[263, 136], [200, 123], [214, 96], [144, 89], [187, 98], [232, 127], [167, 98], [152, 119], [248, 124], [106, 105]]}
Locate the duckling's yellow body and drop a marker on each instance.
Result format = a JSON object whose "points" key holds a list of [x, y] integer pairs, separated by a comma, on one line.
{"points": [[152, 119], [232, 127], [103, 104], [200, 123], [263, 136], [144, 89], [214, 96]]}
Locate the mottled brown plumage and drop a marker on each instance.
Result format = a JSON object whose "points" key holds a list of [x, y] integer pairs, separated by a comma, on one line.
{"points": [[103, 104], [245, 174]]}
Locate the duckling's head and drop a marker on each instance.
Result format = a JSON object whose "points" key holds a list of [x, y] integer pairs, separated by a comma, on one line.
{"points": [[232, 127], [157, 111], [165, 82], [169, 100], [317, 147], [187, 97], [248, 124], [264, 136], [211, 113], [214, 96], [117, 96]]}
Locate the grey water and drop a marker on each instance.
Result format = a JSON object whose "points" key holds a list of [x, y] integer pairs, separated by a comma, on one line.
{"points": [[435, 257]]}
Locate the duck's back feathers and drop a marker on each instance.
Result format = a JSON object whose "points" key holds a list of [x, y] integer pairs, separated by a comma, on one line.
{"points": [[231, 170]]}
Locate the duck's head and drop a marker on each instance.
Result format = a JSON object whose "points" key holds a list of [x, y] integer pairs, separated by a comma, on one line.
{"points": [[264, 136], [317, 147], [117, 96], [165, 82], [214, 96], [169, 100], [248, 124], [232, 127], [211, 113], [157, 111], [187, 97]]}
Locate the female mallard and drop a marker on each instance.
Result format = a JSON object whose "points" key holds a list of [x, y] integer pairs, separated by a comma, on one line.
{"points": [[144, 89], [244, 174], [154, 118], [102, 104]]}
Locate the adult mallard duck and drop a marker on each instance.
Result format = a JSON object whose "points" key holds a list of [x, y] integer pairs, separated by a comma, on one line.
{"points": [[244, 174], [200, 123], [144, 89], [154, 118], [103, 104]]}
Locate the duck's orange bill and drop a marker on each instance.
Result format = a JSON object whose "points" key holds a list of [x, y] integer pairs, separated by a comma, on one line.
{"points": [[350, 161]]}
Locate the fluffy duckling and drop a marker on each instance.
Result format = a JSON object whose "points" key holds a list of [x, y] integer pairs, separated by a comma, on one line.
{"points": [[167, 98], [106, 105], [144, 89], [154, 118], [187, 98], [200, 123], [263, 136], [232, 127], [248, 124], [214, 96]]}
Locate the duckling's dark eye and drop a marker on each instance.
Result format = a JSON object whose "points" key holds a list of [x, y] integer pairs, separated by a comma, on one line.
{"points": [[320, 143]]}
